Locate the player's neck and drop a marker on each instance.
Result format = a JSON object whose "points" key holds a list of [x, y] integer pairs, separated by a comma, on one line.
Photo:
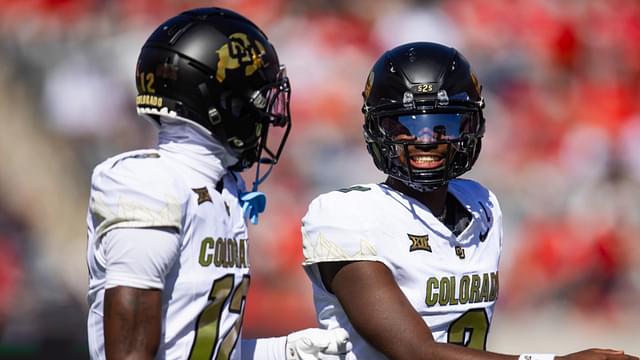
{"points": [[182, 137], [435, 200]]}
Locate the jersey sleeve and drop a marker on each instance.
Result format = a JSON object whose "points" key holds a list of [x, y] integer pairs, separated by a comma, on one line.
{"points": [[134, 192], [335, 229], [139, 258]]}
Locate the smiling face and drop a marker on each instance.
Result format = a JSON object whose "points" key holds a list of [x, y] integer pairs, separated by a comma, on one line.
{"points": [[424, 147], [426, 138], [422, 157]]}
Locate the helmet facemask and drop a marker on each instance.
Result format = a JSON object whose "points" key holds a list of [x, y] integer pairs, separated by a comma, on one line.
{"points": [[270, 109], [424, 147]]}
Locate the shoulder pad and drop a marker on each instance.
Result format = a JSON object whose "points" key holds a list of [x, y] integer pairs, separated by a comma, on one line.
{"points": [[336, 229], [131, 190]]}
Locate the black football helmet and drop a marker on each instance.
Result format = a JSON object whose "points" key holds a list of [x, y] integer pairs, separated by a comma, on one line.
{"points": [[423, 95], [216, 69]]}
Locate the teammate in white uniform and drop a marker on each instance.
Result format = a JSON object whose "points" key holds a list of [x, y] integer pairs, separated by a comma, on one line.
{"points": [[167, 240], [446, 286], [410, 267]]}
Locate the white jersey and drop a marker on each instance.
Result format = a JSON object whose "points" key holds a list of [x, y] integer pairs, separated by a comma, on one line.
{"points": [[204, 290], [452, 282]]}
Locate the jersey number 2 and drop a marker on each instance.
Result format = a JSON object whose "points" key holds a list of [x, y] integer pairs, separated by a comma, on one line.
{"points": [[470, 329], [208, 324]]}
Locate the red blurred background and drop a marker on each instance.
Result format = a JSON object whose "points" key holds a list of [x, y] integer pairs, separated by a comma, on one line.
{"points": [[561, 152]]}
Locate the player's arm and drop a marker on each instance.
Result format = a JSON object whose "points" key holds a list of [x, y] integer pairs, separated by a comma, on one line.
{"points": [[132, 322], [383, 316], [381, 313], [137, 261]]}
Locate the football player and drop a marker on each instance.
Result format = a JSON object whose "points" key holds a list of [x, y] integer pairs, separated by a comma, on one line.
{"points": [[410, 266], [167, 239]]}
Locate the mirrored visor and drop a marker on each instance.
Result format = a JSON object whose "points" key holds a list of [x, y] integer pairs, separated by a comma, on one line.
{"points": [[428, 128]]}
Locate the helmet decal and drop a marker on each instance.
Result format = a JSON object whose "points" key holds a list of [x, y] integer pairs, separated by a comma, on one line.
{"points": [[147, 80], [149, 100], [367, 87], [476, 83], [424, 88], [239, 52]]}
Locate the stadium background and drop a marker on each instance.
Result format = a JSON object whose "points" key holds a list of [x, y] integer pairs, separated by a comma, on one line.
{"points": [[561, 152]]}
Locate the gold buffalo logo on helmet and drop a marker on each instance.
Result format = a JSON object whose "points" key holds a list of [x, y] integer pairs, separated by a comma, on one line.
{"points": [[238, 52]]}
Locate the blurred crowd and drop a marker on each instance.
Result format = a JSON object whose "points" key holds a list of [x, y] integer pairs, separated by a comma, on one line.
{"points": [[561, 83]]}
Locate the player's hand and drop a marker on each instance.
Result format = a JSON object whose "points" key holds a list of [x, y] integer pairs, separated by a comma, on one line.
{"points": [[311, 344], [598, 354]]}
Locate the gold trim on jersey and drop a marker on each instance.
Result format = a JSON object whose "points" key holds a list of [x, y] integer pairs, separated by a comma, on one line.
{"points": [[125, 212], [323, 249]]}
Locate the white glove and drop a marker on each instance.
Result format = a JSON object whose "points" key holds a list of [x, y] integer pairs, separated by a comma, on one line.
{"points": [[312, 344]]}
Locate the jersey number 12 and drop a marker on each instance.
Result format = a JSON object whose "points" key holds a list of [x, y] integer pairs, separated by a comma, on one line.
{"points": [[208, 324]]}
